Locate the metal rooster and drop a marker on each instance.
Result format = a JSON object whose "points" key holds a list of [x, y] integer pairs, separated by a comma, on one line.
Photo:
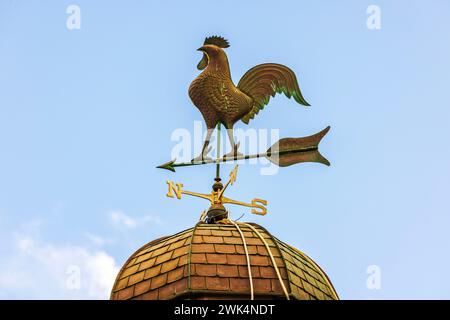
{"points": [[220, 101]]}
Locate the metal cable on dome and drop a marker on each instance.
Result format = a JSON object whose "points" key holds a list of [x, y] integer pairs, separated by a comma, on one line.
{"points": [[271, 257], [247, 257]]}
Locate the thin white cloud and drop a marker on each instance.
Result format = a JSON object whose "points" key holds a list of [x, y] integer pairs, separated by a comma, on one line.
{"points": [[152, 219], [98, 240], [122, 220], [40, 270]]}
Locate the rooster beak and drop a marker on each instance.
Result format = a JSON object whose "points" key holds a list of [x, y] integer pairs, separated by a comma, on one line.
{"points": [[201, 49], [204, 62]]}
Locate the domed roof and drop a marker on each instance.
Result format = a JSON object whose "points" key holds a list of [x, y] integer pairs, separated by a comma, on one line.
{"points": [[209, 260]]}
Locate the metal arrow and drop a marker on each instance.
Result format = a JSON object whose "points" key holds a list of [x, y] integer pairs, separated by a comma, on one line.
{"points": [[285, 152]]}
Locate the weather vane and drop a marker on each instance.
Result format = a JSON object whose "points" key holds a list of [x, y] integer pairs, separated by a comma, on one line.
{"points": [[222, 103]]}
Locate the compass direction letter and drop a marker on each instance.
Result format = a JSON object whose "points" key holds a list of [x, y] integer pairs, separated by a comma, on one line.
{"points": [[233, 175], [174, 187], [260, 204]]}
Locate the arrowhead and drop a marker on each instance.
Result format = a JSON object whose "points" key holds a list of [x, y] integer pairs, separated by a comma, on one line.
{"points": [[168, 165]]}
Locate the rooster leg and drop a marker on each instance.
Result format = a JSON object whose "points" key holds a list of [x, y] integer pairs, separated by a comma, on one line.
{"points": [[234, 146], [205, 149]]}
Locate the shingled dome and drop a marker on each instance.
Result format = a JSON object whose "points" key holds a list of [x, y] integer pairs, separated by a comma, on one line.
{"points": [[209, 262]]}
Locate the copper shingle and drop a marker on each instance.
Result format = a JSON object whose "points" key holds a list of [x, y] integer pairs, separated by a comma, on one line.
{"points": [[210, 259]]}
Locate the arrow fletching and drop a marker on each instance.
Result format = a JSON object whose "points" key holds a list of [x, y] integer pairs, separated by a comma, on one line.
{"points": [[289, 151]]}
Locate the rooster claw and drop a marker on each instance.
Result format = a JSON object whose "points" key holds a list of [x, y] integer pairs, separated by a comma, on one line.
{"points": [[203, 157], [233, 154]]}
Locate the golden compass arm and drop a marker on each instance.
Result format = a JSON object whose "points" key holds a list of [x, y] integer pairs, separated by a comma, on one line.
{"points": [[199, 195], [176, 189], [233, 176], [216, 197], [255, 204]]}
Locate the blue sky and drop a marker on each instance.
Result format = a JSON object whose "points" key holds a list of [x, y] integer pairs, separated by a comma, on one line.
{"points": [[86, 115]]}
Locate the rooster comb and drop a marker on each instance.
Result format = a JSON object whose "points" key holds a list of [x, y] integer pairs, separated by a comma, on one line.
{"points": [[217, 41]]}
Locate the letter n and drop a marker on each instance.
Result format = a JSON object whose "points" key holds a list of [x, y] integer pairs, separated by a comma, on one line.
{"points": [[174, 187]]}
